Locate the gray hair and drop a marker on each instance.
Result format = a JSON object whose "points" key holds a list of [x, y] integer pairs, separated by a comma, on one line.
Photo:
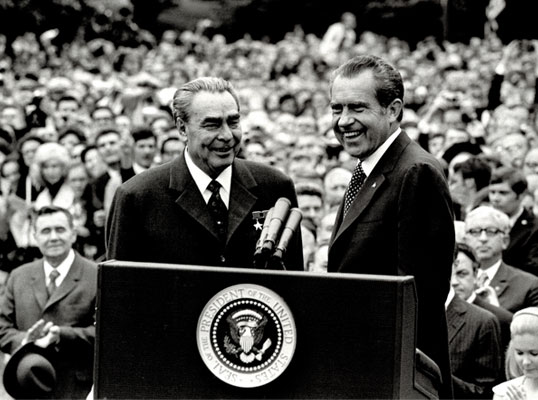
{"points": [[500, 219], [183, 97]]}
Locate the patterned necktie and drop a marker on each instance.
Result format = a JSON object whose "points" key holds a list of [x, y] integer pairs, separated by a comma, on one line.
{"points": [[52, 284], [357, 180], [482, 279], [218, 210]]}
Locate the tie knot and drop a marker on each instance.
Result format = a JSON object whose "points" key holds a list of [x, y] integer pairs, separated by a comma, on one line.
{"points": [[214, 186], [53, 275]]}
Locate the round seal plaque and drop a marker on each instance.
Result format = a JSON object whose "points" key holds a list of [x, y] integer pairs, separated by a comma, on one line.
{"points": [[246, 335]]}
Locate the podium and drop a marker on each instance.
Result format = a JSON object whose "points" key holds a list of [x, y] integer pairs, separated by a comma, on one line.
{"points": [[176, 331]]}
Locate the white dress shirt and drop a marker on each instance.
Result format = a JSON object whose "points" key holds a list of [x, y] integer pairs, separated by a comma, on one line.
{"points": [[62, 269], [203, 180]]}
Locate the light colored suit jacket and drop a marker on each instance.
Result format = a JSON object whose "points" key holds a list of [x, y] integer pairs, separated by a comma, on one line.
{"points": [[71, 306]]}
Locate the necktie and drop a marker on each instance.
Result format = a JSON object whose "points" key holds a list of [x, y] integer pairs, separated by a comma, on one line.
{"points": [[52, 284], [482, 279], [218, 210], [357, 180]]}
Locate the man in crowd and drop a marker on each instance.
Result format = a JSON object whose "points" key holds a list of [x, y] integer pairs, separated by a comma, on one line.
{"points": [[487, 233], [475, 346], [507, 190], [465, 285], [52, 300], [396, 217], [204, 207], [144, 149]]}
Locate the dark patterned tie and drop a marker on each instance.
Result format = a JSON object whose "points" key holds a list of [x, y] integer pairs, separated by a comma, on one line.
{"points": [[218, 210], [357, 179], [52, 284]]}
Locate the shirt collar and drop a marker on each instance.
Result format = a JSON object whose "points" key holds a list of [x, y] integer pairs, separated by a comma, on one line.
{"points": [[492, 271], [137, 168], [369, 163], [450, 296], [62, 269], [514, 219], [202, 180]]}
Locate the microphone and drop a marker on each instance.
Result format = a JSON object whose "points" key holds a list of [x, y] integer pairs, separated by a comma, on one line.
{"points": [[280, 213], [293, 222]]}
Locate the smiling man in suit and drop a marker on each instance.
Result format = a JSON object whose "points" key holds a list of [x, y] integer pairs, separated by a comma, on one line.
{"points": [[205, 206], [396, 217], [52, 300]]}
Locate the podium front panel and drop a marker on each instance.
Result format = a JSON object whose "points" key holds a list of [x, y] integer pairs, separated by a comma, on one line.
{"points": [[354, 334]]}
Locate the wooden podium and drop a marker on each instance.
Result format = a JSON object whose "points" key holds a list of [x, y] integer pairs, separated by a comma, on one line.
{"points": [[345, 336]]}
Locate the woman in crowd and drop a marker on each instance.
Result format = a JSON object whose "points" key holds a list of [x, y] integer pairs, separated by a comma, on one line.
{"points": [[521, 358]]}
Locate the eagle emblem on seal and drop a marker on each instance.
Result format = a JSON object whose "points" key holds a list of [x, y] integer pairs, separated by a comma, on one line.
{"points": [[246, 330]]}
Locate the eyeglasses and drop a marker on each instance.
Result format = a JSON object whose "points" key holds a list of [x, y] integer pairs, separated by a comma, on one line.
{"points": [[490, 232]]}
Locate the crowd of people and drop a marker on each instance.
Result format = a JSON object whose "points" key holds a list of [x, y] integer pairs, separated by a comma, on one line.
{"points": [[78, 121]]}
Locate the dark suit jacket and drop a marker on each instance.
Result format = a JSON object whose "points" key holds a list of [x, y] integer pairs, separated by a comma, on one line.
{"points": [[503, 316], [401, 223], [475, 349], [515, 289], [71, 306], [160, 216], [522, 251]]}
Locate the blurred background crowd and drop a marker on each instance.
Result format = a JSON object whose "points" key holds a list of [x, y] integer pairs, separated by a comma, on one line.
{"points": [[85, 89]]}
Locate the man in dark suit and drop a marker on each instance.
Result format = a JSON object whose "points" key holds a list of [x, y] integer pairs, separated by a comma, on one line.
{"points": [[464, 282], [475, 349], [487, 233], [400, 222], [165, 214], [63, 319], [506, 193]]}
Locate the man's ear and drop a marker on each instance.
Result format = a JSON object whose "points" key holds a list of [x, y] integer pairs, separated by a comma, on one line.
{"points": [[395, 108], [181, 126]]}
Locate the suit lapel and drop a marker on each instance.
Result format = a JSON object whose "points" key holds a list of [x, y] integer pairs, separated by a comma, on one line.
{"points": [[191, 201], [68, 284], [241, 199], [500, 281], [374, 182], [38, 284], [455, 317]]}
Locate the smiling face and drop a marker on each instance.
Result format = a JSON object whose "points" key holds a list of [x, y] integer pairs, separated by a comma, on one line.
{"points": [[213, 131], [360, 123]]}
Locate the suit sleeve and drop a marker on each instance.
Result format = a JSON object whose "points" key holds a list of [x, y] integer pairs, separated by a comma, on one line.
{"points": [[120, 235], [487, 364], [425, 250], [10, 336]]}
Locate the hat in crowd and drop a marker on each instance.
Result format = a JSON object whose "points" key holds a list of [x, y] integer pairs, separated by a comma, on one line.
{"points": [[29, 373]]}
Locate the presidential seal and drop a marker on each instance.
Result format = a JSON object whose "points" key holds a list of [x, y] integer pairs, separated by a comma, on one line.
{"points": [[246, 335]]}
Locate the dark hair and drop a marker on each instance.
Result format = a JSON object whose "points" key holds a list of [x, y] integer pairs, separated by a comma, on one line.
{"points": [[85, 151], [389, 81], [72, 130], [97, 108], [477, 169], [68, 98], [168, 139], [465, 249], [141, 133], [48, 210], [309, 189], [104, 131], [27, 138], [514, 177]]}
